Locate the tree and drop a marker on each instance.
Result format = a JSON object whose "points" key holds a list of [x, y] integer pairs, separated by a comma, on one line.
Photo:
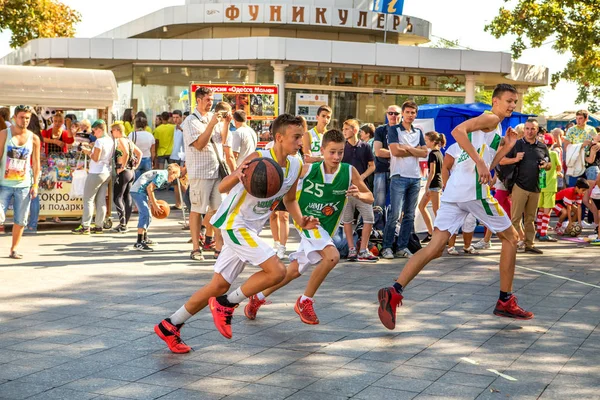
{"points": [[532, 102], [483, 96], [31, 19], [570, 25]]}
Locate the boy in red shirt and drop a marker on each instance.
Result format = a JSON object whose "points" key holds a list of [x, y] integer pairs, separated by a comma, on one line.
{"points": [[566, 200]]}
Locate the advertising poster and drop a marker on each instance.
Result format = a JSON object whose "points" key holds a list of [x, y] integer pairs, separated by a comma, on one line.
{"points": [[308, 104], [260, 102]]}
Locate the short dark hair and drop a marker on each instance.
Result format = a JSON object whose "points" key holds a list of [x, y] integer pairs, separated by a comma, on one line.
{"points": [[332, 135], [324, 107], [582, 184], [281, 123], [141, 122], [141, 114], [410, 104], [240, 116], [178, 112], [584, 113], [185, 114], [532, 120], [368, 129], [165, 116], [503, 87], [203, 91], [72, 117]]}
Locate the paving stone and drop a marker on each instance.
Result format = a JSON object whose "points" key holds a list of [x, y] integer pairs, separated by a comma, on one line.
{"points": [[377, 393], [410, 371], [63, 394], [260, 392], [308, 395], [184, 394], [216, 385], [402, 383], [287, 380], [22, 390], [459, 378], [95, 385], [124, 373], [171, 379], [140, 391], [345, 382], [445, 389]]}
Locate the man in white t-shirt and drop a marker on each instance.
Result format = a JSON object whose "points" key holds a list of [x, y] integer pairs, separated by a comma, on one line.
{"points": [[467, 191], [244, 138], [407, 145]]}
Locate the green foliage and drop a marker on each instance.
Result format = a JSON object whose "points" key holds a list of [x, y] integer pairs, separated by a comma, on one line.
{"points": [[483, 96], [532, 102], [31, 19], [445, 44], [570, 25]]}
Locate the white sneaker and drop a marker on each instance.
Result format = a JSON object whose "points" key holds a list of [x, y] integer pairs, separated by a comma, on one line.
{"points": [[387, 254], [281, 251], [470, 250], [587, 225], [452, 251], [404, 253], [482, 245], [520, 245]]}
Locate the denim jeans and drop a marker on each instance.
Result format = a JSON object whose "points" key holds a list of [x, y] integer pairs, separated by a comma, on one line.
{"points": [[34, 213], [381, 187], [145, 166], [144, 216], [20, 198], [404, 193]]}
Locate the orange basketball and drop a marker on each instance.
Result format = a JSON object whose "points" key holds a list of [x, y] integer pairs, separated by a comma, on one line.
{"points": [[165, 207], [263, 178]]}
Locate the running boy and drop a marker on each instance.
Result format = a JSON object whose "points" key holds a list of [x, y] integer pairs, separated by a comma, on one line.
{"points": [[322, 193], [567, 200], [241, 217], [142, 192], [311, 141], [467, 192]]}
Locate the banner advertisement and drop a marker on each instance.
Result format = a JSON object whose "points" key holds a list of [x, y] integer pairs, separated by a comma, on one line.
{"points": [[57, 202], [308, 104], [260, 102], [388, 6]]}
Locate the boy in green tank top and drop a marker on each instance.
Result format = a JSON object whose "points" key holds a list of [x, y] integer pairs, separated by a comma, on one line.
{"points": [[322, 193]]}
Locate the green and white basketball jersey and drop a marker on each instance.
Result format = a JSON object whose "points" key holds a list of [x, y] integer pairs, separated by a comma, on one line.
{"points": [[315, 142], [463, 184], [324, 197]]}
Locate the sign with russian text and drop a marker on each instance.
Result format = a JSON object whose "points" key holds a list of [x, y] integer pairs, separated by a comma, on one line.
{"points": [[259, 102], [388, 6], [308, 104]]}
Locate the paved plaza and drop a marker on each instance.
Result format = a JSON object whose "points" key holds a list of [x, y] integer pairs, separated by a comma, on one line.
{"points": [[76, 319]]}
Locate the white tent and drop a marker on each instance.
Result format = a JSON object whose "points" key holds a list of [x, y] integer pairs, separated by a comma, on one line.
{"points": [[66, 88]]}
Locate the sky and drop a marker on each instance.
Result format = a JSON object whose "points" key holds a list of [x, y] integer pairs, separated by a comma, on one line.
{"points": [[461, 20]]}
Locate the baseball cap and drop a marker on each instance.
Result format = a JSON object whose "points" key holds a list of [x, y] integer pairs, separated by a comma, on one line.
{"points": [[548, 139], [98, 123]]}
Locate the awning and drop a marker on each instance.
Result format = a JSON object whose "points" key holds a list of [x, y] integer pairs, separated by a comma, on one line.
{"points": [[57, 87]]}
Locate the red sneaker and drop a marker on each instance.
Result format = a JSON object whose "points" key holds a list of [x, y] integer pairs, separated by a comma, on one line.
{"points": [[389, 299], [306, 311], [510, 309], [252, 307], [208, 246], [171, 334], [221, 316]]}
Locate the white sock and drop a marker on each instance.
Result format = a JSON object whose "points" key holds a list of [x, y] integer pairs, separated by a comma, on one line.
{"points": [[303, 298], [260, 296], [276, 244], [237, 296], [180, 316]]}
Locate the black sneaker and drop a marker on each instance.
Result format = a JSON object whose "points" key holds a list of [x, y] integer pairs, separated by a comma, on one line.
{"points": [[121, 229], [97, 231], [149, 242], [427, 239], [143, 247], [80, 230]]}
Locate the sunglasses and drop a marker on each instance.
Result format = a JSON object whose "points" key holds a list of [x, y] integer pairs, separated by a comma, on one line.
{"points": [[393, 113], [22, 108]]}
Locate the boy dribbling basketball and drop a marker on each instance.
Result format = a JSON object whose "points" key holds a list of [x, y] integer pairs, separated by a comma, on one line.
{"points": [[240, 218], [322, 193]]}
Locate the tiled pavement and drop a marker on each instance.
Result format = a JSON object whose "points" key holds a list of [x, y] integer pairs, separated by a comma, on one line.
{"points": [[76, 318]]}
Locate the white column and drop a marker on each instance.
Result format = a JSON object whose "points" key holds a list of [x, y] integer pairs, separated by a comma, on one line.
{"points": [[251, 73], [279, 80], [470, 89]]}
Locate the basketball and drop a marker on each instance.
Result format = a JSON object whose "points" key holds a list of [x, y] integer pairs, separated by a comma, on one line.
{"points": [[263, 178], [165, 207]]}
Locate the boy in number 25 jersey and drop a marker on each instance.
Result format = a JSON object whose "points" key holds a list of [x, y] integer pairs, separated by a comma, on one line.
{"points": [[322, 194]]}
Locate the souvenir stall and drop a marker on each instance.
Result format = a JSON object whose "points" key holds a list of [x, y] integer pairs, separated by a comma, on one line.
{"points": [[67, 89]]}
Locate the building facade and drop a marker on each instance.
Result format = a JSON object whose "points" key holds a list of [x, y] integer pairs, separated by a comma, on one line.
{"points": [[362, 60]]}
